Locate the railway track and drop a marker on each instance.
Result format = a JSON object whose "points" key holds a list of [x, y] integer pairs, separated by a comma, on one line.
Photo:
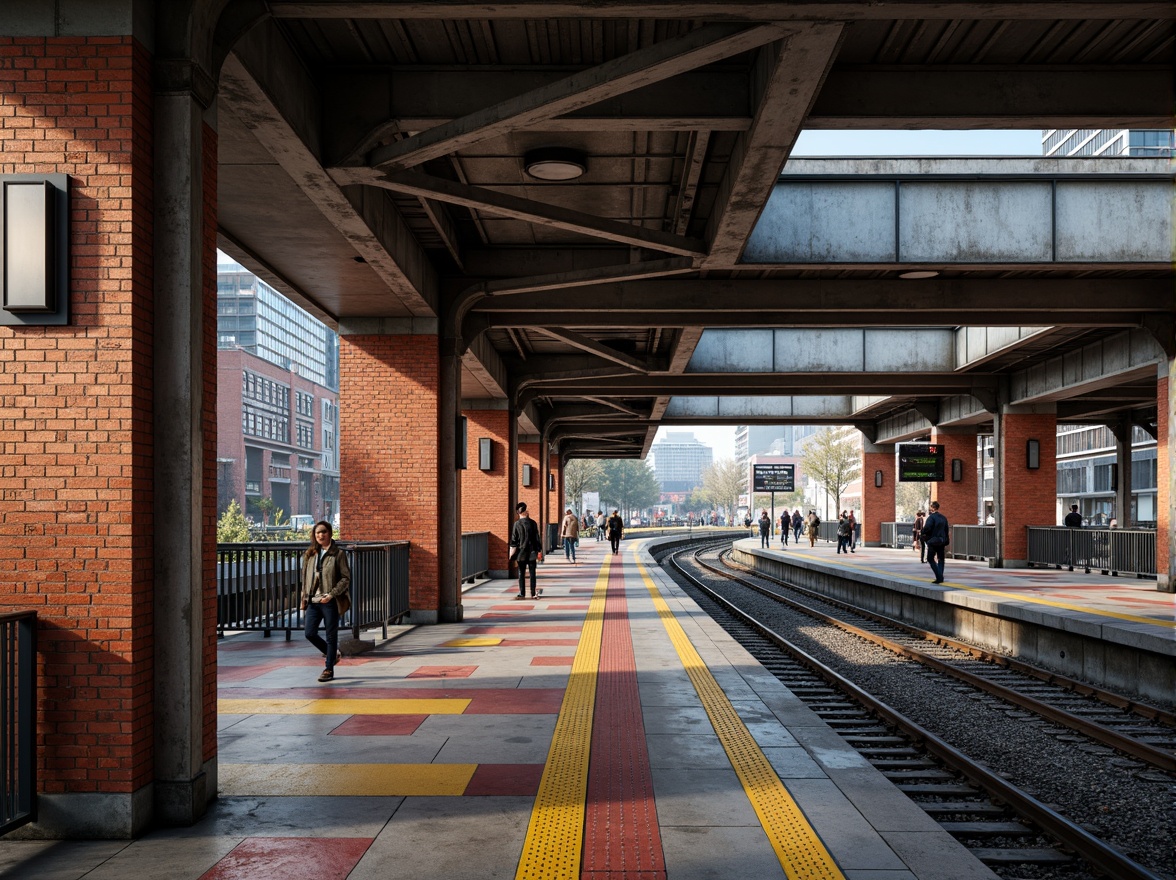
{"points": [[1012, 831]]}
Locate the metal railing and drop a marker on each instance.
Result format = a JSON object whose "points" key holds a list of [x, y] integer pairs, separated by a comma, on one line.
{"points": [[900, 535], [18, 716], [257, 586], [972, 542], [1109, 551], [475, 555]]}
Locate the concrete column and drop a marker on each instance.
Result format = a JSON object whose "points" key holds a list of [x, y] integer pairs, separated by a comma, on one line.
{"points": [[1028, 496], [449, 482], [1166, 477], [1123, 429], [485, 495], [960, 497], [182, 787], [393, 441], [877, 501]]}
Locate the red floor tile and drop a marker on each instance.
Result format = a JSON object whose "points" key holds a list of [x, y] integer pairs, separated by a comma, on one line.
{"points": [[505, 779], [379, 725], [521, 701], [537, 643], [552, 661], [499, 629], [260, 858], [443, 672]]}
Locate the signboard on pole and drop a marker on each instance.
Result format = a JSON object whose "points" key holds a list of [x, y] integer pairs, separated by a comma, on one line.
{"points": [[773, 477], [591, 502], [920, 462]]}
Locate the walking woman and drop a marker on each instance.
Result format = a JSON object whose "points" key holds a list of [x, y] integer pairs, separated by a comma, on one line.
{"points": [[570, 532], [326, 593], [616, 531]]}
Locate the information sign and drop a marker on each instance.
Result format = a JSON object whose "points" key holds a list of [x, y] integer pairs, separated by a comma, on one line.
{"points": [[920, 462], [773, 477]]}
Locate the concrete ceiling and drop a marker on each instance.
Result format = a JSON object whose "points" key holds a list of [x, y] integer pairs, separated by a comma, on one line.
{"points": [[372, 167]]}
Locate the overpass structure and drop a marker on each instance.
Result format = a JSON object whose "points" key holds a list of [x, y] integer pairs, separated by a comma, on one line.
{"points": [[555, 226]]}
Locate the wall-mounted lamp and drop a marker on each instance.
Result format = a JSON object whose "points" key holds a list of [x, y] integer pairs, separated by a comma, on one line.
{"points": [[528, 472], [1032, 454], [551, 482], [957, 470], [34, 249], [878, 479], [462, 439], [485, 454]]}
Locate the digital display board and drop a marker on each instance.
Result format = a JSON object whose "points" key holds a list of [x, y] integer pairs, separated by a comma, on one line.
{"points": [[773, 477], [920, 462]]}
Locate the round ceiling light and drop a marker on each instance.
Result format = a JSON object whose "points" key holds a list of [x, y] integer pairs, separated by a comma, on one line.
{"points": [[555, 163], [919, 273]]}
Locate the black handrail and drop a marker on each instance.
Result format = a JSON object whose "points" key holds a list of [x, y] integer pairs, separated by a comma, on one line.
{"points": [[18, 713]]}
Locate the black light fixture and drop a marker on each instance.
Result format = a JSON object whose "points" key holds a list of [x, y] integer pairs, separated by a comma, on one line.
{"points": [[1032, 454], [878, 479], [957, 470], [485, 454], [527, 470], [551, 482], [555, 163], [462, 428]]}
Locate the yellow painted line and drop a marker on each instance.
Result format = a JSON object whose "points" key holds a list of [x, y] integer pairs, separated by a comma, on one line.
{"points": [[801, 853], [342, 780], [472, 643], [1020, 597], [555, 833], [342, 707]]}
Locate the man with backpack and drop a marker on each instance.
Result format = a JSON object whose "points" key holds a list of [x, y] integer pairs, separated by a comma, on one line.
{"points": [[526, 547]]}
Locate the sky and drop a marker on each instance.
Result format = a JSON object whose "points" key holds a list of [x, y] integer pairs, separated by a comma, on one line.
{"points": [[721, 438]]}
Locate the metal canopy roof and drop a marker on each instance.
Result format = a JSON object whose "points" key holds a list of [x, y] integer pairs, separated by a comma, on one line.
{"points": [[372, 166]]}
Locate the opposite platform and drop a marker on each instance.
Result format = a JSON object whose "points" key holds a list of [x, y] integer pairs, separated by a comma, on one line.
{"points": [[1118, 632], [609, 729]]}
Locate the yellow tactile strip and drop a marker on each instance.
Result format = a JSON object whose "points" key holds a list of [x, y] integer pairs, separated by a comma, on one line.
{"points": [[360, 780], [798, 847], [555, 834]]}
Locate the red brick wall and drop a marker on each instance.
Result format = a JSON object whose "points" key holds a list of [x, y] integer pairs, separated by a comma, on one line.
{"points": [[877, 503], [957, 500], [1163, 476], [388, 430], [76, 412], [485, 504], [1029, 496]]}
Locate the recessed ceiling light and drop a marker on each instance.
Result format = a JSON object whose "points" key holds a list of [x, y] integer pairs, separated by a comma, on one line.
{"points": [[555, 163], [919, 273]]}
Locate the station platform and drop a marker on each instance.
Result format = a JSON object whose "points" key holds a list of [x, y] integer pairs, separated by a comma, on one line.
{"points": [[1119, 632], [608, 729]]}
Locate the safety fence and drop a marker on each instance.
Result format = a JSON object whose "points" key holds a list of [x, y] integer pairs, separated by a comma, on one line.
{"points": [[18, 714], [972, 542], [257, 586], [475, 555], [900, 535], [1109, 551]]}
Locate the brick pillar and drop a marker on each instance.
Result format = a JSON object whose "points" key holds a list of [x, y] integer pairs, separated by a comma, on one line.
{"points": [[122, 741], [1165, 475], [389, 455], [1028, 497], [877, 501], [555, 505], [960, 498], [529, 454], [485, 495]]}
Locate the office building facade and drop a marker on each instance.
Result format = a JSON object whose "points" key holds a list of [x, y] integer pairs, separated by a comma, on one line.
{"points": [[679, 460]]}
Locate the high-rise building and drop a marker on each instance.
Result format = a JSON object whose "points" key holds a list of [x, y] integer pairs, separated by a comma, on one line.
{"points": [[277, 401], [1107, 142], [776, 439], [679, 460]]}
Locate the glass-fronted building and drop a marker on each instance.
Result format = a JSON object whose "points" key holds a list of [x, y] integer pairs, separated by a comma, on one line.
{"points": [[1107, 142]]}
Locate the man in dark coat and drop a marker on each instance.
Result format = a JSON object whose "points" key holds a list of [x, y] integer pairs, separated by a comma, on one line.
{"points": [[525, 545], [936, 536]]}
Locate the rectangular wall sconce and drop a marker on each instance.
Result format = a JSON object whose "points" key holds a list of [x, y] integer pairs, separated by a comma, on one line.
{"points": [[1032, 454], [878, 479], [527, 475], [34, 245], [485, 454], [957, 470], [551, 482], [462, 442]]}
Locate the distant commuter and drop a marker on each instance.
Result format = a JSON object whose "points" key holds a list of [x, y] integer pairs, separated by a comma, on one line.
{"points": [[844, 528], [616, 531], [797, 524], [917, 535], [812, 527], [326, 593], [765, 530], [570, 532], [600, 525], [936, 535], [1073, 519], [852, 533], [785, 528]]}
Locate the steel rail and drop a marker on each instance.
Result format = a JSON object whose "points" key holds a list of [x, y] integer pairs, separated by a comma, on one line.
{"points": [[1160, 758], [1099, 854], [1144, 710]]}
